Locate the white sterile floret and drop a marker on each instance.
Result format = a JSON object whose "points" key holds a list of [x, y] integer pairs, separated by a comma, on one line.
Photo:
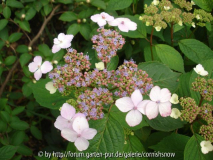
{"points": [[193, 24], [192, 2], [174, 99], [180, 23], [155, 2], [206, 147], [200, 70], [166, 8], [49, 86], [197, 16], [99, 66], [175, 113], [158, 28]]}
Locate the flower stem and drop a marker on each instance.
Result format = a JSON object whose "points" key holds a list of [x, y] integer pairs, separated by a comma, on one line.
{"points": [[172, 31], [151, 43], [201, 100]]}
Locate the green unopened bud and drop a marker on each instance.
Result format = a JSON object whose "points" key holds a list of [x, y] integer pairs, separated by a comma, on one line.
{"points": [[125, 142], [0, 62], [29, 48], [140, 18], [133, 42], [55, 62], [84, 20], [132, 133], [23, 16], [34, 81], [98, 9], [88, 1]]}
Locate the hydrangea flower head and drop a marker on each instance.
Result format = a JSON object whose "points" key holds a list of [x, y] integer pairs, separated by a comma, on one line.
{"points": [[63, 41], [160, 102], [124, 24], [80, 134], [102, 18], [175, 113], [49, 86], [134, 106], [206, 147], [38, 68], [200, 70]]}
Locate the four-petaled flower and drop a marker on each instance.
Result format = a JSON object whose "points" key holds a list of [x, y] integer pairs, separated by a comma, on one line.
{"points": [[160, 102], [200, 70], [206, 147], [124, 24], [63, 41], [80, 133], [134, 106], [38, 68], [102, 18]]}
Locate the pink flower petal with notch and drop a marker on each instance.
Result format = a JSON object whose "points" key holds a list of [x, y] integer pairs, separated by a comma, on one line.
{"points": [[96, 17], [124, 104], [151, 110], [69, 37], [56, 48], [46, 67], [69, 135], [67, 111], [165, 95], [62, 123], [165, 109], [38, 74], [155, 93], [133, 118], [142, 106], [89, 133], [33, 67], [38, 60], [131, 25], [136, 97], [79, 124], [81, 143]]}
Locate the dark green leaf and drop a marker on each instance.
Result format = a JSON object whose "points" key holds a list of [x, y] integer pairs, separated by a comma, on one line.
{"points": [[68, 16], [73, 29], [5, 116], [118, 4], [3, 103], [15, 37], [112, 65], [19, 125], [98, 3], [7, 12], [3, 23], [24, 150], [204, 4], [10, 60], [25, 58], [47, 9], [183, 89], [18, 138], [30, 14], [85, 31], [36, 132], [27, 91], [14, 4], [7, 152], [45, 50], [17, 110], [65, 1], [24, 25], [22, 49]]}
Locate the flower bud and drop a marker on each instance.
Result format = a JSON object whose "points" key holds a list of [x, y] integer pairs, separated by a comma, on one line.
{"points": [[34, 81], [88, 1], [23, 16], [29, 48], [79, 20], [133, 42], [55, 62], [84, 20]]}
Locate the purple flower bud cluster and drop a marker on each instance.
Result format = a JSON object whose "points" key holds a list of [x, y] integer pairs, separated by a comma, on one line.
{"points": [[107, 43], [204, 87], [206, 112], [190, 109], [207, 131], [129, 78], [91, 102]]}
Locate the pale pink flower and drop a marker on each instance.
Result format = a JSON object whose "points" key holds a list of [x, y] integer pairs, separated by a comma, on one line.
{"points": [[134, 105], [38, 68], [160, 102], [102, 18], [124, 24], [63, 41], [80, 134], [67, 116]]}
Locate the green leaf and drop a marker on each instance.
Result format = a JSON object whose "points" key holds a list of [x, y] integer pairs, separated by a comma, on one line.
{"points": [[24, 25], [183, 89], [204, 4], [17, 110], [65, 1], [18, 138], [6, 12], [10, 60], [156, 137], [24, 150], [192, 150], [15, 37], [170, 57], [19, 125], [165, 124], [36, 132], [26, 90], [141, 28], [3, 103], [161, 75], [7, 152], [37, 5], [45, 50], [47, 9], [98, 3], [73, 29], [14, 4], [174, 143], [5, 116], [58, 56], [86, 13], [44, 98], [128, 50], [68, 16], [148, 54], [25, 58], [120, 117], [118, 4], [109, 137], [134, 145], [22, 49], [30, 14], [3, 23], [3, 126], [4, 34], [195, 50], [112, 65], [85, 31]]}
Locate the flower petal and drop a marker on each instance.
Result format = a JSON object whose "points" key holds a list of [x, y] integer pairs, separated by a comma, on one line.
{"points": [[204, 73], [81, 143], [123, 27], [175, 113], [38, 60], [65, 44], [174, 99], [49, 86], [124, 104], [62, 123], [69, 134], [61, 37], [89, 133], [79, 124], [165, 109], [69, 37], [38, 74], [33, 67], [165, 95], [101, 22], [142, 106], [115, 22], [151, 110], [133, 118], [132, 25], [155, 94], [56, 41], [96, 17], [56, 48], [136, 97], [67, 111], [46, 67]]}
